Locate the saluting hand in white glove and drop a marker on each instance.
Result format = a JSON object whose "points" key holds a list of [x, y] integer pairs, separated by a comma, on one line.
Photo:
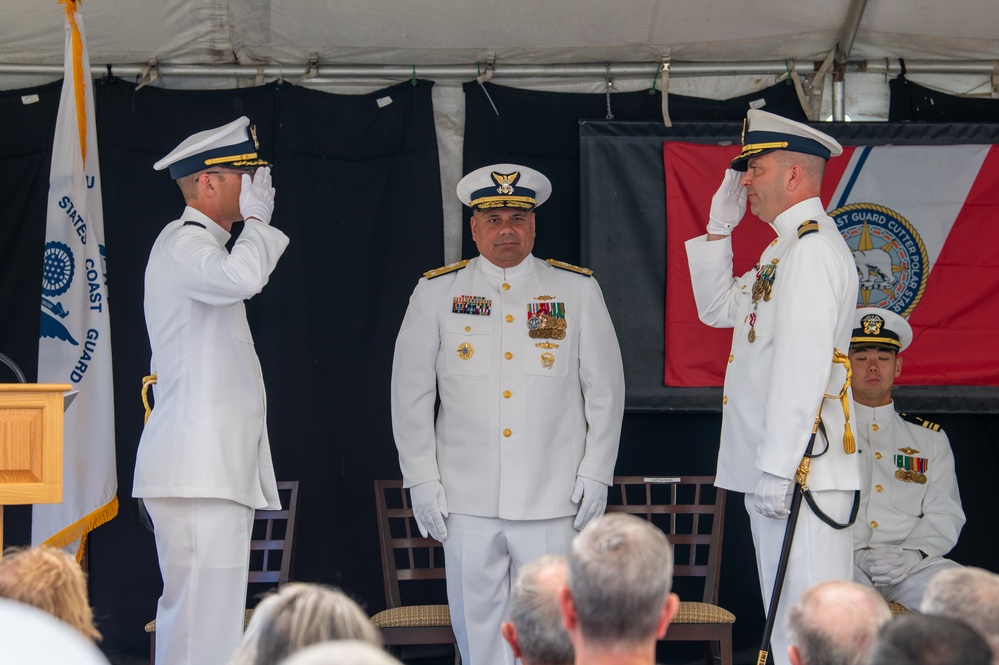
{"points": [[256, 196], [728, 205], [593, 494], [430, 509]]}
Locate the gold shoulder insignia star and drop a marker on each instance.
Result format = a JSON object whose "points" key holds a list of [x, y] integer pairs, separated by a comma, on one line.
{"points": [[443, 270], [568, 266]]}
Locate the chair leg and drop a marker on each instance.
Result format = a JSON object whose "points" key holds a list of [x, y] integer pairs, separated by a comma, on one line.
{"points": [[725, 649]]}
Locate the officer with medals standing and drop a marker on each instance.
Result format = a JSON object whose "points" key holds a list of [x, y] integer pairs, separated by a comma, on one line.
{"points": [[523, 356], [910, 511], [792, 315]]}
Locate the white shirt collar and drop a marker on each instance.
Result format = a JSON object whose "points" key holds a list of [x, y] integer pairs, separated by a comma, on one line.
{"points": [[518, 271], [789, 220]]}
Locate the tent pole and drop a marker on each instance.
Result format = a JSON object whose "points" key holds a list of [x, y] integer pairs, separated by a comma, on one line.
{"points": [[596, 71]]}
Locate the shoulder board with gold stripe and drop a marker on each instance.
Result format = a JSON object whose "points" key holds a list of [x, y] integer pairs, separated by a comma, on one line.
{"points": [[443, 270], [916, 420], [811, 226], [568, 266]]}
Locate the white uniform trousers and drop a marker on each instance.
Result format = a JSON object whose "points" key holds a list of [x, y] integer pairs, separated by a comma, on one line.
{"points": [[204, 553], [819, 552], [482, 556], [909, 592]]}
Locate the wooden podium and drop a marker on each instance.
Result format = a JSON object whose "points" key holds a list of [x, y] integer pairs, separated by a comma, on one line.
{"points": [[31, 430]]}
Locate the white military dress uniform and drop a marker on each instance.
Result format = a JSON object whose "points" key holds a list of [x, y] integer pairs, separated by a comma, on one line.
{"points": [[910, 500], [780, 365], [207, 436], [528, 369], [520, 417], [919, 510], [204, 463]]}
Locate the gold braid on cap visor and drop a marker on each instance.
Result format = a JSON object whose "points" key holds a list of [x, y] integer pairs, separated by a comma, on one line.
{"points": [[246, 158], [876, 340], [525, 202], [756, 148]]}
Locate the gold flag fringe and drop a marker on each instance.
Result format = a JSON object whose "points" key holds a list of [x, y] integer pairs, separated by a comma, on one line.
{"points": [[82, 527]]}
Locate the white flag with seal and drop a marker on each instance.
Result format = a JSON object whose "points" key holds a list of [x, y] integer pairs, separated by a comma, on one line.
{"points": [[74, 344]]}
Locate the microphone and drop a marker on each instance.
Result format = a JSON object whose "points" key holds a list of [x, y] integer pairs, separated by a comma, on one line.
{"points": [[14, 368]]}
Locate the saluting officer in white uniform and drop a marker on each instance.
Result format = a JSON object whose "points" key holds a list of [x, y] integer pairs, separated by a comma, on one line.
{"points": [[790, 314], [523, 356], [204, 462], [910, 511]]}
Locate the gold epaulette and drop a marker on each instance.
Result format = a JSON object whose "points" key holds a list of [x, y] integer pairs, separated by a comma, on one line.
{"points": [[568, 266], [443, 270], [916, 420], [811, 226]]}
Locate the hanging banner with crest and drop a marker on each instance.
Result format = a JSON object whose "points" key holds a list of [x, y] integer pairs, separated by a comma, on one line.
{"points": [[74, 344], [920, 221]]}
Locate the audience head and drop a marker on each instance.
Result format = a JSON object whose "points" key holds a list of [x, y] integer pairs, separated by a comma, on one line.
{"points": [[970, 595], [340, 652], [835, 623], [30, 635], [51, 580], [297, 615], [618, 584], [928, 639], [535, 631]]}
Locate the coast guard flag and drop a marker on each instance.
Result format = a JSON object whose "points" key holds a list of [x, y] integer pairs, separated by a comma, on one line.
{"points": [[74, 344], [922, 223]]}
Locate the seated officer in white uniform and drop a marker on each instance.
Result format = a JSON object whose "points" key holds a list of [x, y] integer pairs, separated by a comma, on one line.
{"points": [[910, 511], [523, 356]]}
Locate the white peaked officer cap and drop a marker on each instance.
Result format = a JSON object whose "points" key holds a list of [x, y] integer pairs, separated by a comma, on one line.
{"points": [[765, 132], [504, 186], [878, 328], [231, 146]]}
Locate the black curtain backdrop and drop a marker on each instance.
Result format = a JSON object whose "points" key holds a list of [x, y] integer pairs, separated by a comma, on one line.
{"points": [[672, 431], [358, 193], [911, 102], [541, 130], [25, 156]]}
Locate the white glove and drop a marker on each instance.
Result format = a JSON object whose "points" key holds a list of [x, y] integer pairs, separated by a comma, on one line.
{"points": [[771, 496], [728, 205], [889, 565], [430, 509], [256, 196], [862, 559], [594, 500]]}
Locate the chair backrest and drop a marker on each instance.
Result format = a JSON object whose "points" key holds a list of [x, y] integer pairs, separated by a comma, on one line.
{"points": [[272, 545], [690, 510], [406, 555]]}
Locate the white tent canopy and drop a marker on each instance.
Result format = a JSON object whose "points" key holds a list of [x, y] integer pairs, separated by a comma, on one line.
{"points": [[712, 48], [434, 32]]}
